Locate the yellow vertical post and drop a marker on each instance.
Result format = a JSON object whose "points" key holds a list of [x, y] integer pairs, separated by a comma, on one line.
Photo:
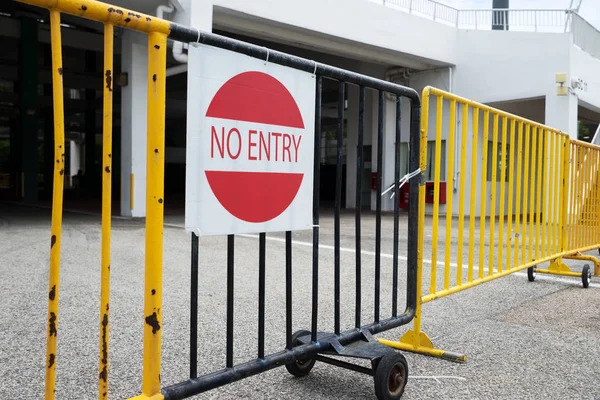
{"points": [[423, 166], [539, 196], [572, 190], [461, 199], [474, 168], [526, 242], [436, 186], [494, 185], [533, 196], [549, 190], [449, 190], [558, 209], [511, 181], [518, 218], [484, 161], [502, 191], [106, 208], [57, 201], [565, 195], [155, 167]]}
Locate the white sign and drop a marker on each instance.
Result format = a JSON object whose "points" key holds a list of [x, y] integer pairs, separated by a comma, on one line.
{"points": [[250, 144]]}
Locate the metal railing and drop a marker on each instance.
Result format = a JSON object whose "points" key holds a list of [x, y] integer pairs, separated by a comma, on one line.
{"points": [[585, 36]]}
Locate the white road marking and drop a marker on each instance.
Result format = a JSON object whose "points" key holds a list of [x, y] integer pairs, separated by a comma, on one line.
{"points": [[403, 258]]}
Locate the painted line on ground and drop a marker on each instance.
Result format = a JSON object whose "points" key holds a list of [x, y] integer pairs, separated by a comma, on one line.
{"points": [[402, 258]]}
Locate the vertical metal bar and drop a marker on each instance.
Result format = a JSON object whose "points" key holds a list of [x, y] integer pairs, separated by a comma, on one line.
{"points": [[556, 215], [230, 299], [261, 293], [106, 209], [572, 193], [288, 290], [526, 242], [194, 309], [396, 210], [540, 159], [378, 216], [462, 190], [578, 198], [436, 184], [416, 208], [359, 175], [534, 194], [549, 190], [502, 192], [155, 171], [316, 196], [585, 196], [494, 185], [338, 204], [484, 184], [511, 181], [450, 185], [473, 200], [518, 218], [57, 202], [566, 151]]}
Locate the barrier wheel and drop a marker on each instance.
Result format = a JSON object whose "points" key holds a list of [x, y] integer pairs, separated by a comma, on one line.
{"points": [[301, 367], [531, 274], [391, 375], [586, 276]]}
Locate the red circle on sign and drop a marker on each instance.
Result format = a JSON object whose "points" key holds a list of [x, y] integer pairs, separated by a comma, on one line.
{"points": [[255, 196]]}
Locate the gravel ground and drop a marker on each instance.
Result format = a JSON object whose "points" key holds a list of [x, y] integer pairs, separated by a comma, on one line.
{"points": [[523, 340]]}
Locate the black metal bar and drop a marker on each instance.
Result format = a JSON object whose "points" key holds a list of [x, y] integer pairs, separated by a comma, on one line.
{"points": [[359, 176], [396, 210], [288, 290], [345, 365], [230, 254], [316, 196], [194, 309], [223, 377], [414, 207], [378, 201], [338, 203], [261, 294], [192, 35]]}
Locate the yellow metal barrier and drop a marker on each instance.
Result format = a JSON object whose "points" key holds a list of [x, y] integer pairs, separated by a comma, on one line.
{"points": [[544, 203], [157, 31]]}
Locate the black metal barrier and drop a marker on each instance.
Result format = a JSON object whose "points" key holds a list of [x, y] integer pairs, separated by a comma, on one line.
{"points": [[303, 348]]}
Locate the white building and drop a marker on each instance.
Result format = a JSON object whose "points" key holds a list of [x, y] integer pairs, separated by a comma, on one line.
{"points": [[413, 42]]}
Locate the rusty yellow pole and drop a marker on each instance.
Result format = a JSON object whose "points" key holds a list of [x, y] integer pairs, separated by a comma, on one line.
{"points": [[106, 208], [57, 201], [155, 169]]}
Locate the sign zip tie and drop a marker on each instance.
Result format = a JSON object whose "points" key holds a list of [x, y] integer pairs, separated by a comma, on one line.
{"points": [[403, 180], [267, 60]]}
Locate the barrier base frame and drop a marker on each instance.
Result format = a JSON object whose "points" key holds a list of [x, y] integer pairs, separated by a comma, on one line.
{"points": [[419, 342]]}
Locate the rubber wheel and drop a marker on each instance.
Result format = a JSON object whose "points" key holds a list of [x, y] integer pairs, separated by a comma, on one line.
{"points": [[391, 376], [586, 276], [531, 274], [301, 367]]}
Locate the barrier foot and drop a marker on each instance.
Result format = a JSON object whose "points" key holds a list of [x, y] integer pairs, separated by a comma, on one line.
{"points": [[587, 258], [419, 342], [146, 397], [558, 268]]}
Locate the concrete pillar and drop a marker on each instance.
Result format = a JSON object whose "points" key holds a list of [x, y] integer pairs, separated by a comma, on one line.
{"points": [[75, 159], [134, 124], [28, 82]]}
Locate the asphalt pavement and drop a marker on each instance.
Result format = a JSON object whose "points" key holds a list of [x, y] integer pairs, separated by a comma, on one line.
{"points": [[523, 340]]}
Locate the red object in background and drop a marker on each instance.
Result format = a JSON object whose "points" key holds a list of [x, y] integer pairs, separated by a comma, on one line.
{"points": [[429, 188], [373, 180], [404, 195]]}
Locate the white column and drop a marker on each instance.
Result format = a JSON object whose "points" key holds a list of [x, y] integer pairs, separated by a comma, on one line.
{"points": [[75, 156], [562, 113], [134, 124]]}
